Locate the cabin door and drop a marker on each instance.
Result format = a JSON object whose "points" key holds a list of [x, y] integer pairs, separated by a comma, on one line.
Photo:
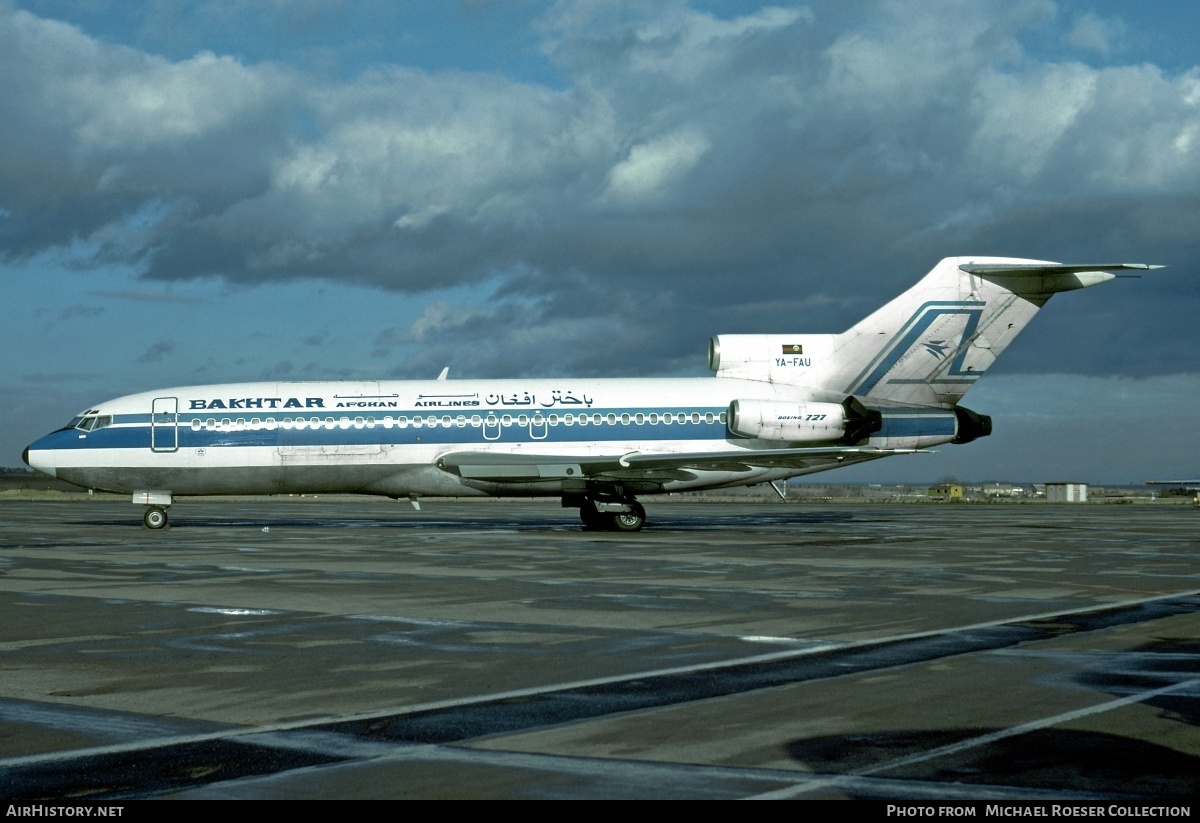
{"points": [[491, 427], [164, 424]]}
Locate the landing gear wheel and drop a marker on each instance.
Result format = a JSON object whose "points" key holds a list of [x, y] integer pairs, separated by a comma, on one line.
{"points": [[630, 521], [155, 518]]}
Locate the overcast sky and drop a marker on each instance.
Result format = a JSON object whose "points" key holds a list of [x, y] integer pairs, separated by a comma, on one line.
{"points": [[244, 190]]}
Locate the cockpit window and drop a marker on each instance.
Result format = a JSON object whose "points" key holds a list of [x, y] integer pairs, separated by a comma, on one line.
{"points": [[92, 422]]}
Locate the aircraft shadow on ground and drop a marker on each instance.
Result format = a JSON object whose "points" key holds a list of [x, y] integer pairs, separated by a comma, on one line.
{"points": [[1052, 758], [1063, 760], [430, 520], [1153, 666]]}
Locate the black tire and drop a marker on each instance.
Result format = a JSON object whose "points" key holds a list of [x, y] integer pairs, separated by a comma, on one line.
{"points": [[630, 521], [155, 518], [592, 519]]}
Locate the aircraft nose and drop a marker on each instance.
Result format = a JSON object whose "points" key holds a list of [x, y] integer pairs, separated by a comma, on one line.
{"points": [[39, 456]]}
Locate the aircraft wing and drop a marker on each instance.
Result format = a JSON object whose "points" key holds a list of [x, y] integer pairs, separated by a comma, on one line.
{"points": [[524, 468]]}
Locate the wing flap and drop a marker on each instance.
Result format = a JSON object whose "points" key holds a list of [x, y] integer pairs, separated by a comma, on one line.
{"points": [[523, 468], [513, 468]]}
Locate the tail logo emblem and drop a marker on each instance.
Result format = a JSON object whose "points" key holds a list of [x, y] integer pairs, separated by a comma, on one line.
{"points": [[936, 347]]}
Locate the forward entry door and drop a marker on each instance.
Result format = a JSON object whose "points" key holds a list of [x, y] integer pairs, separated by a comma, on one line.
{"points": [[164, 424]]}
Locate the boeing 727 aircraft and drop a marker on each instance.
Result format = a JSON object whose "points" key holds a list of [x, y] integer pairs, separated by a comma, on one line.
{"points": [[779, 406]]}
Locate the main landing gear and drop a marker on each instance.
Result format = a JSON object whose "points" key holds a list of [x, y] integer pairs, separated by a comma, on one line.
{"points": [[609, 515]]}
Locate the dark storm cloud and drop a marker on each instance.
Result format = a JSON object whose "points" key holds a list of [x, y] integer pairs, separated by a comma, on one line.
{"points": [[57, 377], [280, 371], [790, 168], [80, 310], [147, 295], [157, 351]]}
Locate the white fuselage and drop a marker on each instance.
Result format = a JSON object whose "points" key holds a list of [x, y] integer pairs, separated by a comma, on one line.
{"points": [[387, 437]]}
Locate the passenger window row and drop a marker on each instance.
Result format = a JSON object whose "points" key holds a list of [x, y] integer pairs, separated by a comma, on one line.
{"points": [[447, 421]]}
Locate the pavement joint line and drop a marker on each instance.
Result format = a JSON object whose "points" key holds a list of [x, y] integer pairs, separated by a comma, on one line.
{"points": [[992, 737], [534, 691]]}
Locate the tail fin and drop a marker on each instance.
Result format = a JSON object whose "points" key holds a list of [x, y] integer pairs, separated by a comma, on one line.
{"points": [[929, 345]]}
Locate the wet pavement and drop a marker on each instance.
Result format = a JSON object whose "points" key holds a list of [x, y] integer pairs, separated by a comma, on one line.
{"points": [[342, 648]]}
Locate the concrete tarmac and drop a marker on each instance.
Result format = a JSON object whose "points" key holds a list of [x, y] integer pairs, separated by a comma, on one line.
{"points": [[355, 648]]}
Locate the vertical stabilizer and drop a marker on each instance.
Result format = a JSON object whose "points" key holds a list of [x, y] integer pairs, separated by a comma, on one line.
{"points": [[930, 344]]}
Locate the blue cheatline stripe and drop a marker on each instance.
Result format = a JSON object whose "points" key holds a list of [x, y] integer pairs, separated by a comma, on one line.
{"points": [[922, 423]]}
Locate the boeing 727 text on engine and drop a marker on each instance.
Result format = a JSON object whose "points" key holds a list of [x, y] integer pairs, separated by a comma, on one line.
{"points": [[779, 406]]}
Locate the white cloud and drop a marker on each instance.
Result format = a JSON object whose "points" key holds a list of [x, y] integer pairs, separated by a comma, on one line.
{"points": [[1070, 127], [654, 166], [134, 107], [1022, 118], [730, 154], [1139, 135], [686, 45], [113, 98], [406, 147]]}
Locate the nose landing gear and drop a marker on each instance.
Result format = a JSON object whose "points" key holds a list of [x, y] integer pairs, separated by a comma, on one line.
{"points": [[156, 503], [155, 517]]}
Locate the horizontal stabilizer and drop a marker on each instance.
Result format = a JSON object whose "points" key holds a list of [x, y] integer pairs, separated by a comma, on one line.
{"points": [[1034, 279], [1017, 269]]}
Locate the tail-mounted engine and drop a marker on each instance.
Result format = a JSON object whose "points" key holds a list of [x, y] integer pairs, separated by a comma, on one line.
{"points": [[971, 425], [847, 422]]}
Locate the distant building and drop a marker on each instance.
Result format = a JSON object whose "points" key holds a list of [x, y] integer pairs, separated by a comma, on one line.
{"points": [[946, 491], [1066, 492], [991, 490]]}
